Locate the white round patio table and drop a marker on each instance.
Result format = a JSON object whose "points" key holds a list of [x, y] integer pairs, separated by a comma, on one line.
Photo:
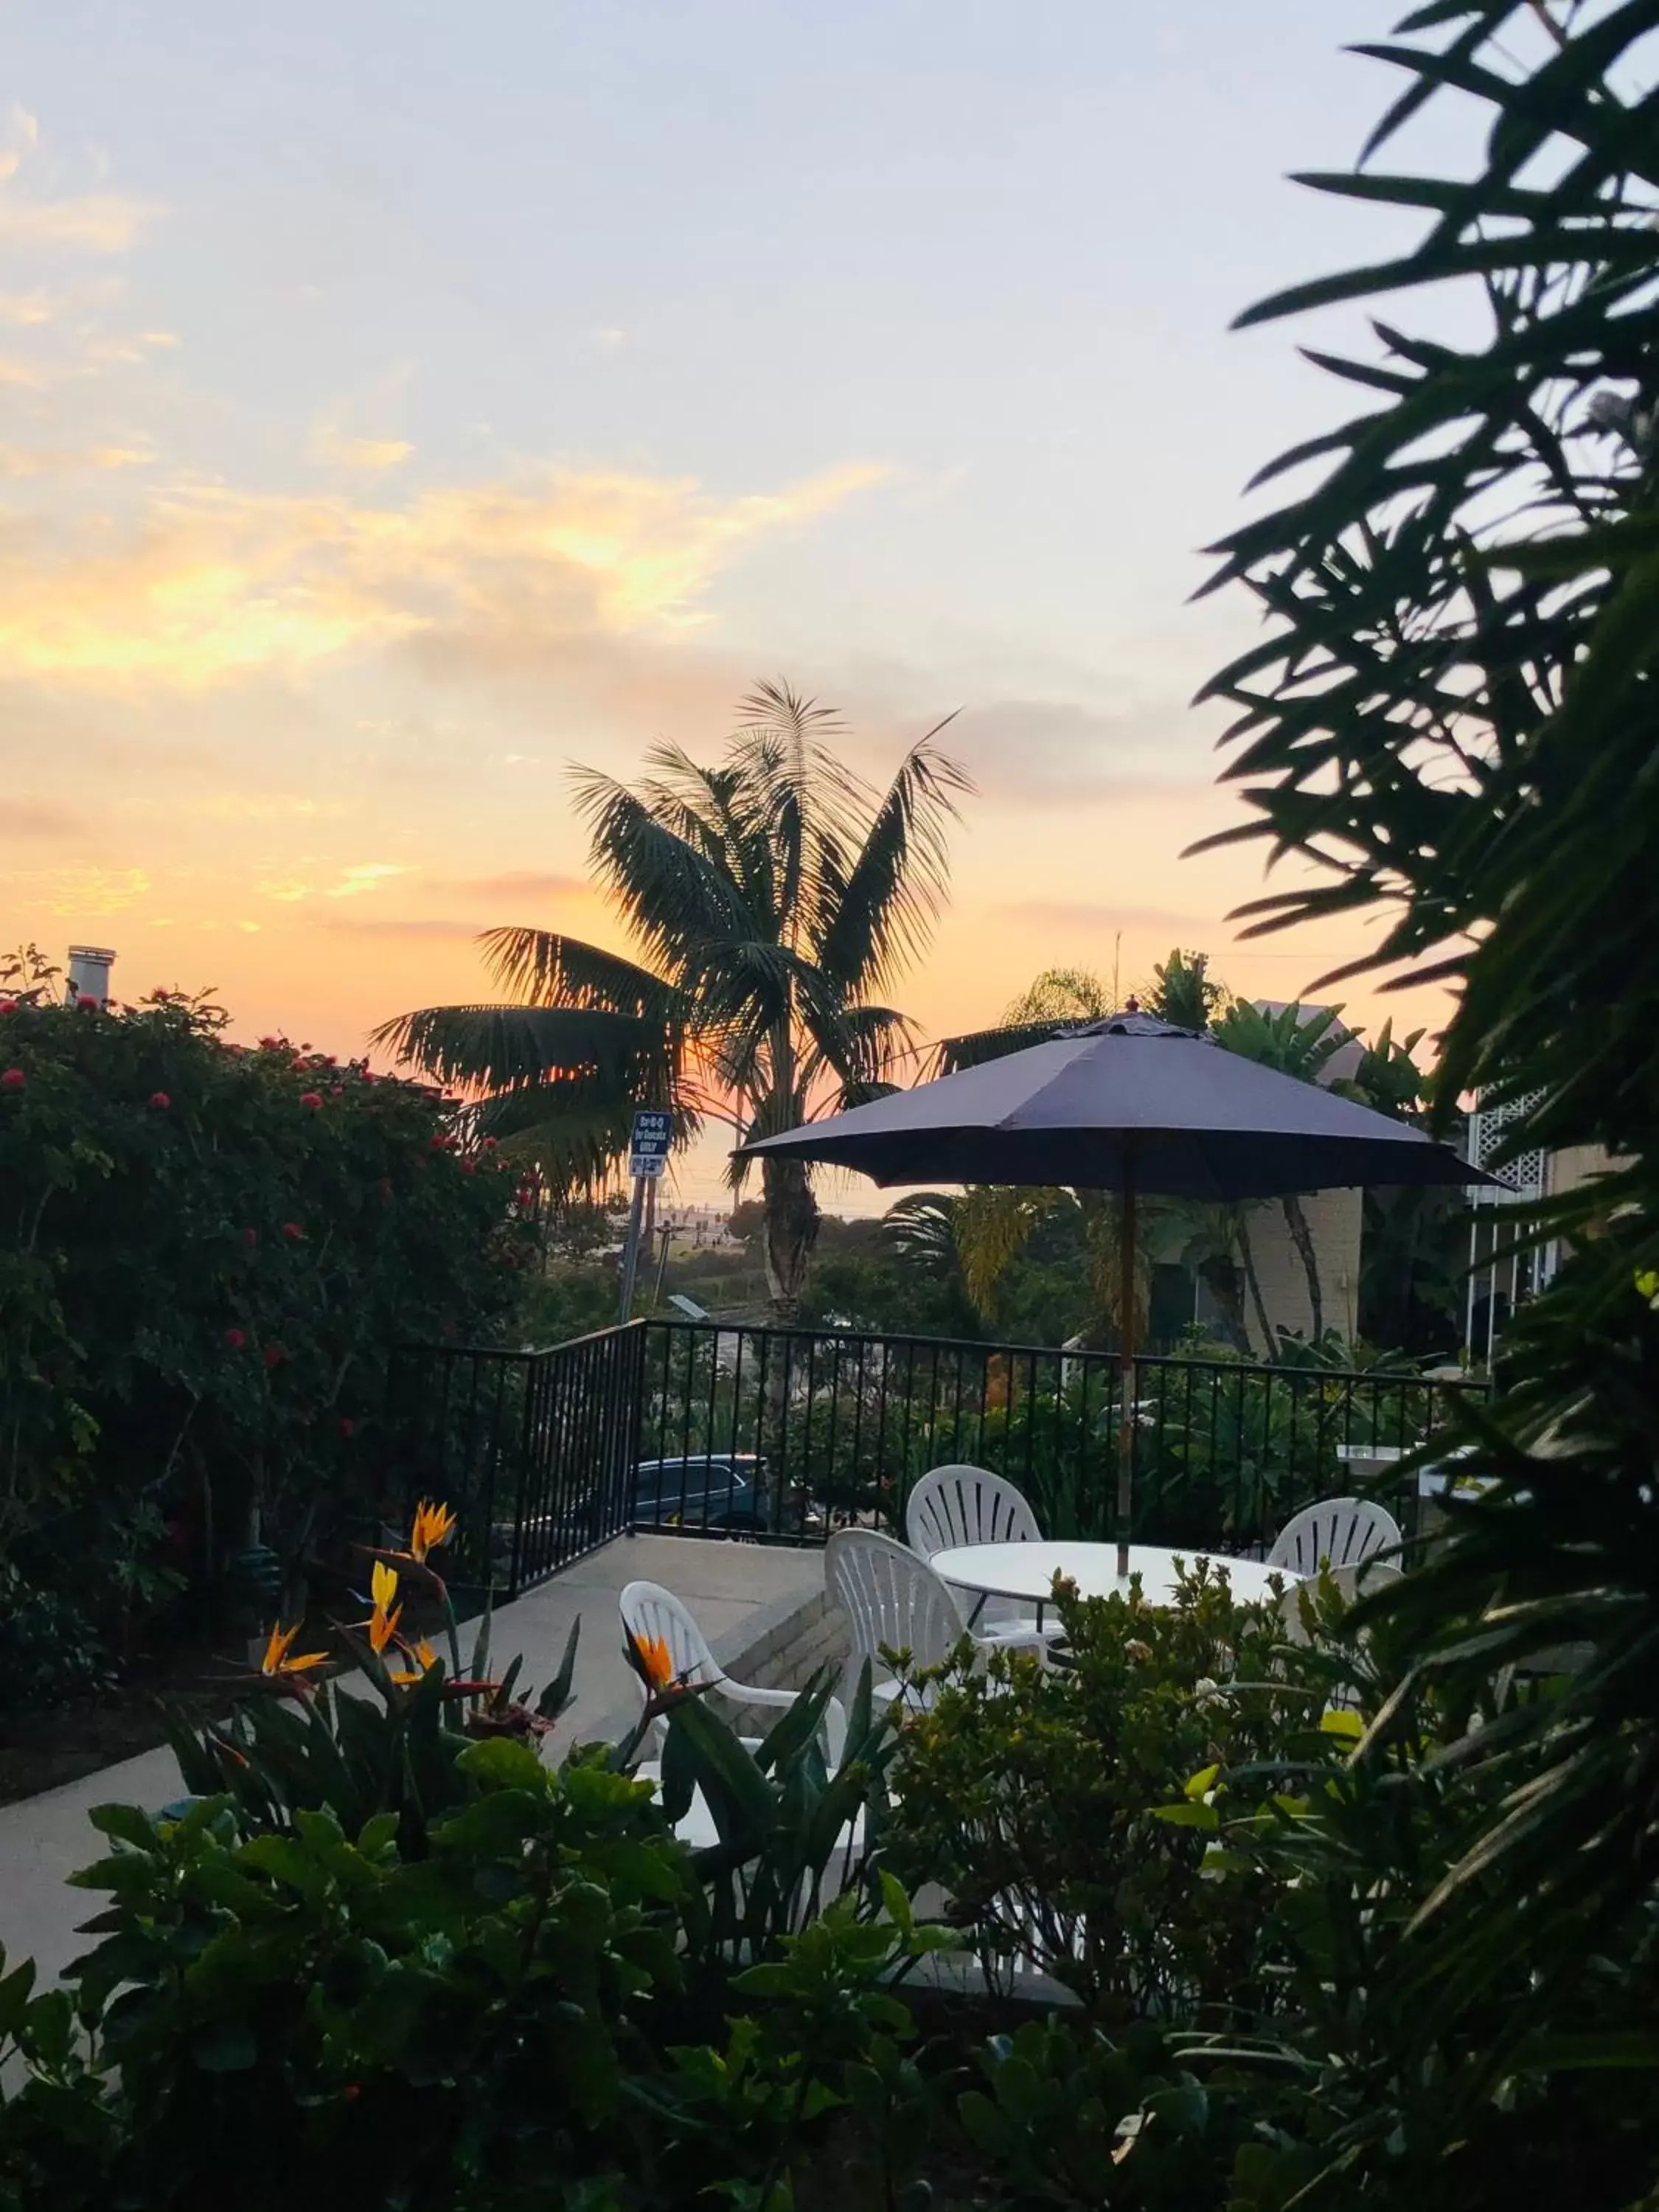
{"points": [[1028, 1571]]}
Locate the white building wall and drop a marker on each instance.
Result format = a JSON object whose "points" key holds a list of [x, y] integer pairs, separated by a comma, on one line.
{"points": [[1335, 1219]]}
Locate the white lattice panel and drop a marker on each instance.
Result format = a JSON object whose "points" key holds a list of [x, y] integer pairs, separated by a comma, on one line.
{"points": [[1523, 1177]]}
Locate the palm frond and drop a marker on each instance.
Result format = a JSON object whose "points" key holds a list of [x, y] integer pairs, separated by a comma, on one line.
{"points": [[976, 1047], [992, 1223], [501, 1047], [576, 1130], [673, 896], [864, 1047], [885, 905], [553, 970]]}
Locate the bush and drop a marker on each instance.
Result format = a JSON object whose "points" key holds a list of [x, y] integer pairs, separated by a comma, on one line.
{"points": [[1057, 1804], [207, 1254], [394, 1959]]}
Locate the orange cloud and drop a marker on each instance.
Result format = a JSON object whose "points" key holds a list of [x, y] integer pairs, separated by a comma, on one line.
{"points": [[68, 460], [90, 222], [28, 309], [39, 818], [208, 581], [366, 453]]}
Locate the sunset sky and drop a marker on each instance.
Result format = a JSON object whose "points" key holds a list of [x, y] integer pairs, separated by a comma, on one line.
{"points": [[401, 400]]}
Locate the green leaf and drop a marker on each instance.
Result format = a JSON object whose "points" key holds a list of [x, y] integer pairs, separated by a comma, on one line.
{"points": [[125, 1823], [504, 1763], [555, 1697], [1187, 1816]]}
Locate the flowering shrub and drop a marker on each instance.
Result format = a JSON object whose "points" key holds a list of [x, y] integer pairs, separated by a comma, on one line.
{"points": [[204, 1265]]}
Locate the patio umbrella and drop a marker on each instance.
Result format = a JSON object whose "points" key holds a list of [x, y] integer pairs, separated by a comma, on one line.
{"points": [[1133, 1105]]}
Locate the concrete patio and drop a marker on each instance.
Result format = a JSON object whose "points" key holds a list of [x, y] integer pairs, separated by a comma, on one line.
{"points": [[762, 1607]]}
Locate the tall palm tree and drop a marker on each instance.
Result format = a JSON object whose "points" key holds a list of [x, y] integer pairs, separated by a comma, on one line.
{"points": [[772, 899]]}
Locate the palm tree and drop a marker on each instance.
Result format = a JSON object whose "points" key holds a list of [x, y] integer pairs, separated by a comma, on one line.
{"points": [[1183, 991], [1296, 1040], [773, 899]]}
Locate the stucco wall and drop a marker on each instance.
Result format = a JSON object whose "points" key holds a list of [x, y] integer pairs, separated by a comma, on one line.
{"points": [[1335, 1219], [1575, 1165]]}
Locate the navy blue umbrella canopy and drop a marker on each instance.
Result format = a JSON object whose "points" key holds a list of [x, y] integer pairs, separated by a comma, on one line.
{"points": [[1134, 1105], [1130, 1103]]}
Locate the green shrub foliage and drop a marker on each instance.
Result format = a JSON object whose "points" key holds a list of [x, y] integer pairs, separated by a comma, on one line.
{"points": [[206, 1256]]}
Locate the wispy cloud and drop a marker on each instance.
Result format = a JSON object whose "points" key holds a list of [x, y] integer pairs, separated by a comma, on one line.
{"points": [[88, 222], [29, 310], [518, 884], [368, 875], [354, 882], [83, 890], [39, 818], [71, 460], [357, 925], [1057, 752], [259, 806], [205, 582], [369, 454]]}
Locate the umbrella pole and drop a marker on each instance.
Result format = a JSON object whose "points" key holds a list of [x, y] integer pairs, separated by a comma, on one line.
{"points": [[1125, 1339]]}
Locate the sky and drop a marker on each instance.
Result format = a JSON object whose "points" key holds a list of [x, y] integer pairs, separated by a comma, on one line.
{"points": [[400, 401]]}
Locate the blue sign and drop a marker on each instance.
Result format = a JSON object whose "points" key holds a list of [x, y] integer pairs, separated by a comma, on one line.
{"points": [[647, 1150]]}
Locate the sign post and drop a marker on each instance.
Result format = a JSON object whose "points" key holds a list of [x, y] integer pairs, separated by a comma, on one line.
{"points": [[648, 1157]]}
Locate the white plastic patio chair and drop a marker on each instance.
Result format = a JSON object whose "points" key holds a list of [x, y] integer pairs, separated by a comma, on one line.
{"points": [[1351, 1583], [1342, 1531], [954, 1505], [652, 1614], [890, 1597]]}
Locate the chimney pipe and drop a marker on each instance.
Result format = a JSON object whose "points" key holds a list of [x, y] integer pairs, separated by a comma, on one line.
{"points": [[88, 973]]}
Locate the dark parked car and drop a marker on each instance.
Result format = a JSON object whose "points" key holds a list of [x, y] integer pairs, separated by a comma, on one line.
{"points": [[705, 1490]]}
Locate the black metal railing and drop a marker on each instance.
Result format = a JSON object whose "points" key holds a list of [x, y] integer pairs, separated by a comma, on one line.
{"points": [[781, 1434], [535, 1450], [818, 1426]]}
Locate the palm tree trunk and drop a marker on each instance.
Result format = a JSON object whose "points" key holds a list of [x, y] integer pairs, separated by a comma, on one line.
{"points": [[1296, 1221], [792, 1230], [1264, 1320], [1220, 1275]]}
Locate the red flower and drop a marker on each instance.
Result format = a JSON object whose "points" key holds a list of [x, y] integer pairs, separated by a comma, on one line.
{"points": [[297, 1065], [275, 1355], [250, 1237], [338, 1089], [293, 1232], [86, 998], [8, 1005], [160, 1099], [312, 1098], [13, 1080], [489, 1144], [329, 1060], [347, 1425], [438, 1144], [235, 1339], [271, 1044], [469, 1167]]}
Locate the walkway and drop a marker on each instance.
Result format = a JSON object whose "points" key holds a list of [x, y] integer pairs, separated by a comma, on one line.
{"points": [[728, 1586]]}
